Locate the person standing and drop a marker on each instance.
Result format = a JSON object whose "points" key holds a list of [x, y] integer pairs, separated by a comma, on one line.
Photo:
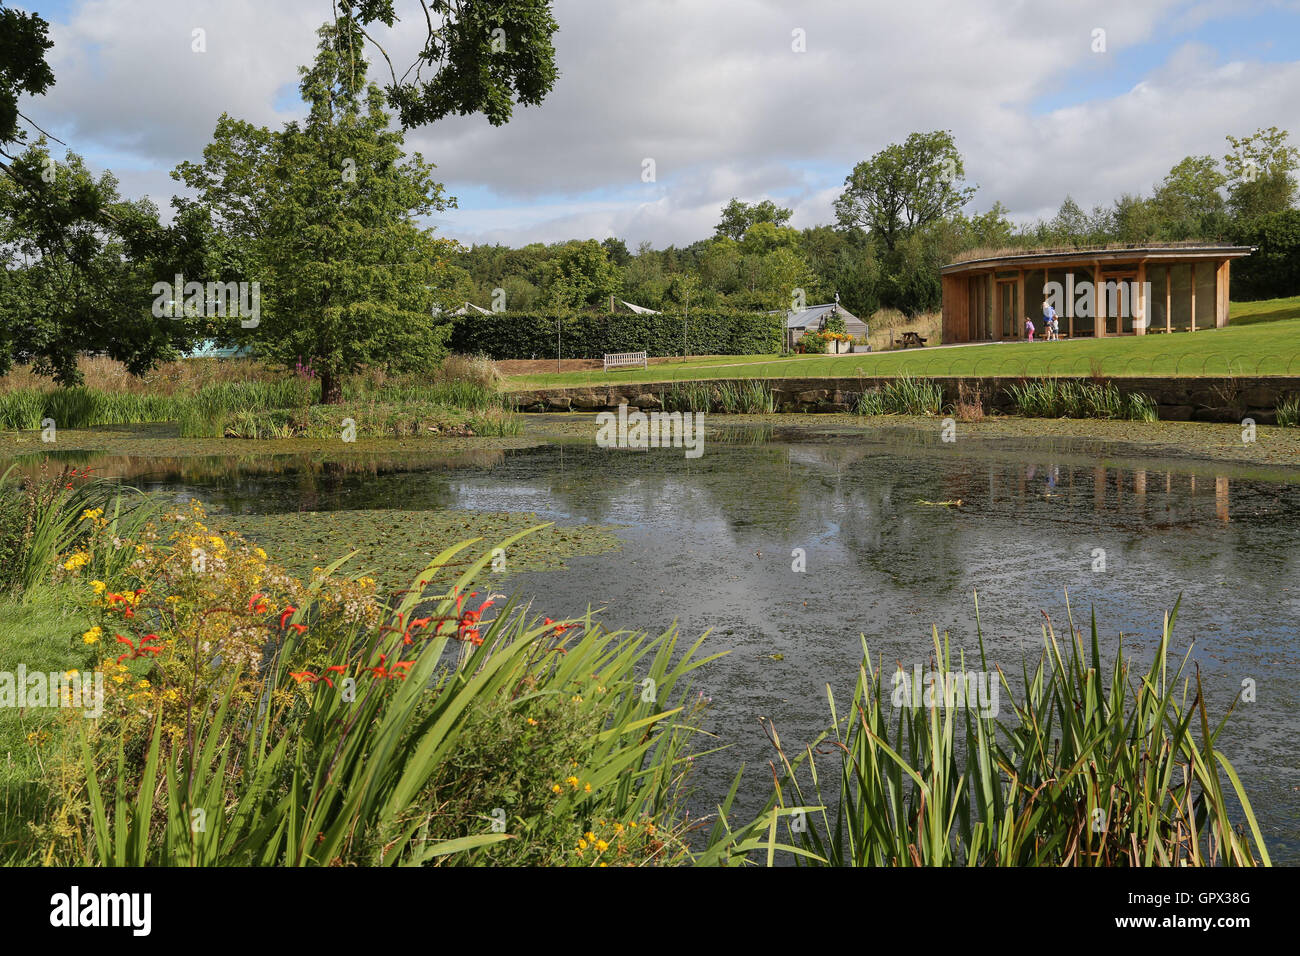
{"points": [[1029, 329], [1049, 318]]}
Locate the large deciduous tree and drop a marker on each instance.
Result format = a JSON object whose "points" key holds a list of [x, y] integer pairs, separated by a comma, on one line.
{"points": [[329, 207], [905, 188], [77, 268]]}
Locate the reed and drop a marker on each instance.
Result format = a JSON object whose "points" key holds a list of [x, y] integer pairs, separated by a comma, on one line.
{"points": [[1063, 398], [1098, 767], [902, 396], [1288, 412]]}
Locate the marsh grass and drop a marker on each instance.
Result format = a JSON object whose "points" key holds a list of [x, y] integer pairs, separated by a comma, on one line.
{"points": [[1288, 412], [1065, 398], [902, 396], [1099, 767], [688, 397], [745, 397]]}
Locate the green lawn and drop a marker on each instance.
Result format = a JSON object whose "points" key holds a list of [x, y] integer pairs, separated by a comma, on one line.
{"points": [[1265, 341]]}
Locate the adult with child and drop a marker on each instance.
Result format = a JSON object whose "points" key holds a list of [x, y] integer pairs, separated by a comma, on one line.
{"points": [[1049, 319]]}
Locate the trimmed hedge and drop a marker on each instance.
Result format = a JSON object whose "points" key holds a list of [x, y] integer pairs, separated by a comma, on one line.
{"points": [[526, 335]]}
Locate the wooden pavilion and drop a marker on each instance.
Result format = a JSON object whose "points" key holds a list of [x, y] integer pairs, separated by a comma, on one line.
{"points": [[1130, 290]]}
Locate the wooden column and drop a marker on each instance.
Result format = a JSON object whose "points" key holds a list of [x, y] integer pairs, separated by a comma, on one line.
{"points": [[1221, 294], [1020, 296], [1099, 303], [1193, 270], [1140, 328], [995, 306], [1169, 297], [1069, 304]]}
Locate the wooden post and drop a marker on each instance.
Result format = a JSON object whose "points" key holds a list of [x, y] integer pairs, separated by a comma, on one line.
{"points": [[1169, 297], [1099, 303], [1069, 303], [1193, 296], [1221, 287], [1020, 294], [1140, 295]]}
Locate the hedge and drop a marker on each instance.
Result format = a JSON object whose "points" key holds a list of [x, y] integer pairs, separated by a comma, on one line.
{"points": [[526, 335]]}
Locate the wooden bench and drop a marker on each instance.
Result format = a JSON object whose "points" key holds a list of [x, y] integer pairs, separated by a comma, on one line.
{"points": [[911, 338], [626, 360]]}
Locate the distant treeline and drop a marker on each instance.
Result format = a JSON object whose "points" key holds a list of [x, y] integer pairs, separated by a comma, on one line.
{"points": [[901, 216]]}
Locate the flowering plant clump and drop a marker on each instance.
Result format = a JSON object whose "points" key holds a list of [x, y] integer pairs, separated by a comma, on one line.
{"points": [[336, 727], [195, 608]]}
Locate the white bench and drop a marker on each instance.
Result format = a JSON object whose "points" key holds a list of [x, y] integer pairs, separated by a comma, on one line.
{"points": [[626, 360]]}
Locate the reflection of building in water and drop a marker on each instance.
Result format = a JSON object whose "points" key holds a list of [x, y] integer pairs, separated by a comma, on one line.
{"points": [[1112, 490]]}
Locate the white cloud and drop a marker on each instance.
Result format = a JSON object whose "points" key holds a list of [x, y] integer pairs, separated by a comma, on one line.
{"points": [[714, 93]]}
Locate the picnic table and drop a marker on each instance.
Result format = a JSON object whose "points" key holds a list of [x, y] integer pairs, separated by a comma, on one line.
{"points": [[911, 338]]}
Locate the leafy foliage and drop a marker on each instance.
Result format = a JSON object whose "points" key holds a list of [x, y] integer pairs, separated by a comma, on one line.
{"points": [[711, 331]]}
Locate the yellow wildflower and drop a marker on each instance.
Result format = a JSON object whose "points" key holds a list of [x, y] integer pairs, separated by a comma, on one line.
{"points": [[98, 586], [92, 635]]}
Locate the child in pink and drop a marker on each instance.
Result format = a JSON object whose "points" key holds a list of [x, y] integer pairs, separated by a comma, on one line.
{"points": [[1029, 329]]}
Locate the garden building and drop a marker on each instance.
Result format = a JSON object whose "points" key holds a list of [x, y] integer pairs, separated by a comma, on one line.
{"points": [[1115, 290]]}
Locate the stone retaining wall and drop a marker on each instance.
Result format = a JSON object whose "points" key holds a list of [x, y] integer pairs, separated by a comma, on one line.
{"points": [[1177, 399]]}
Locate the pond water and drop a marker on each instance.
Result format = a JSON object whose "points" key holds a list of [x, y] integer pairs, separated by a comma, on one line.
{"points": [[708, 543]]}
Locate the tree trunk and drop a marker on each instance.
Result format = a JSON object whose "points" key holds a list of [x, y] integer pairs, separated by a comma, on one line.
{"points": [[331, 387]]}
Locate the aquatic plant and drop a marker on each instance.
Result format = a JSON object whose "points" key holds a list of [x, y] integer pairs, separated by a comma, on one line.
{"points": [[1090, 772], [1288, 412], [1066, 398], [902, 396]]}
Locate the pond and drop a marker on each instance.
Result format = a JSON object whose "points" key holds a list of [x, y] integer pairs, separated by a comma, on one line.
{"points": [[896, 531]]}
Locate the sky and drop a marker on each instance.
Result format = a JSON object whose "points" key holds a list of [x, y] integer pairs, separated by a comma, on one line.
{"points": [[757, 99]]}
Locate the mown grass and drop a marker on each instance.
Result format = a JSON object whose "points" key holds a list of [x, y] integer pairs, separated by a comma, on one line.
{"points": [[1262, 347]]}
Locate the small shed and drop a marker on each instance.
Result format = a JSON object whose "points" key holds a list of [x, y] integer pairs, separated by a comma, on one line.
{"points": [[1096, 291], [813, 319]]}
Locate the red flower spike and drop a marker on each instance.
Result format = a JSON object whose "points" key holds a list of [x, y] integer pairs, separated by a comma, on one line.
{"points": [[289, 612]]}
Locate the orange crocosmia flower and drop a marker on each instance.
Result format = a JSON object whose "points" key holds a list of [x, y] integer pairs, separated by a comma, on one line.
{"points": [[289, 611], [299, 627], [256, 605]]}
